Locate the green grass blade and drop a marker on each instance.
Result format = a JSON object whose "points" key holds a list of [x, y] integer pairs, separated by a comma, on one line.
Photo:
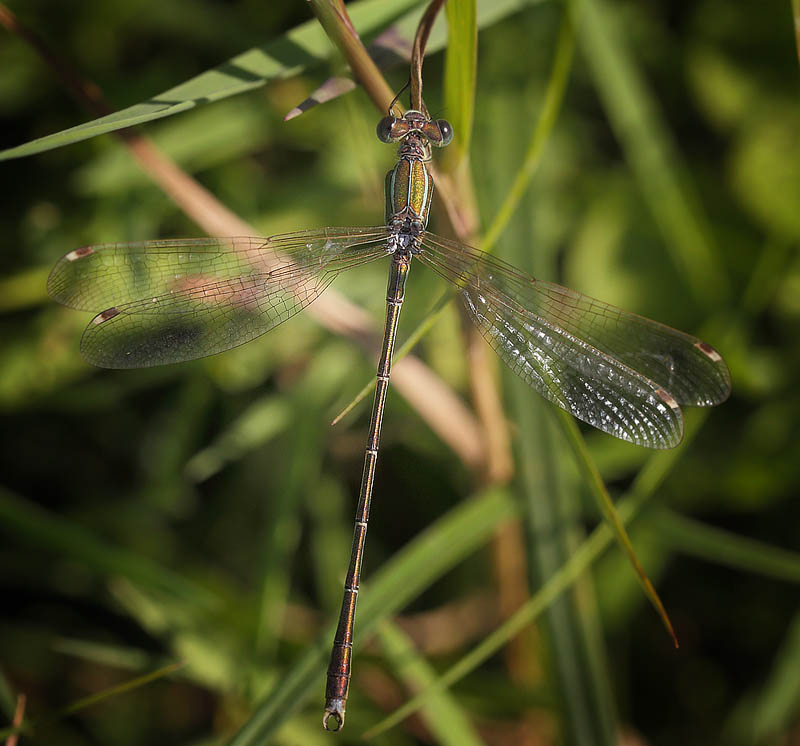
{"points": [[27, 521], [769, 710], [609, 512], [553, 98], [460, 71], [325, 376], [106, 655], [652, 153], [94, 699], [401, 34], [410, 571], [288, 55], [114, 691], [297, 50], [686, 535], [260, 422], [8, 699], [572, 629], [446, 720], [404, 349]]}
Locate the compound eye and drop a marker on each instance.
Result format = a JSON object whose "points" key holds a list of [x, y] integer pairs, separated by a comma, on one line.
{"points": [[447, 132], [384, 129]]}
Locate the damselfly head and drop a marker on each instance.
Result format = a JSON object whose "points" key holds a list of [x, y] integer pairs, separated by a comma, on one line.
{"points": [[438, 132]]}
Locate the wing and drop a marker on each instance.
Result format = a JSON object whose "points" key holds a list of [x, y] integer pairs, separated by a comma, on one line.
{"points": [[170, 301], [617, 371]]}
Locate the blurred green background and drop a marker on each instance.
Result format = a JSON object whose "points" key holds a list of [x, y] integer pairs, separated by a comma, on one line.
{"points": [[203, 512]]}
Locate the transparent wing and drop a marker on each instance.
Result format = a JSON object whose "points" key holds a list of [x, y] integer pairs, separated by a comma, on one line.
{"points": [[617, 371], [170, 301]]}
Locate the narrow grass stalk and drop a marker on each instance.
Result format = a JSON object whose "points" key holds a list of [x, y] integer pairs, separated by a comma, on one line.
{"points": [[445, 718], [609, 512], [92, 700], [651, 151]]}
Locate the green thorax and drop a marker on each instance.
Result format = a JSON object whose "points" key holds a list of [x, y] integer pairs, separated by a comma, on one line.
{"points": [[409, 189]]}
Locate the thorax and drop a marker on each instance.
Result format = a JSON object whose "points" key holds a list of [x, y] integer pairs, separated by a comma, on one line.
{"points": [[409, 190]]}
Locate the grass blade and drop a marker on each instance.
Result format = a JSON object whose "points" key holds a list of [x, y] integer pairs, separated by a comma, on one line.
{"points": [[302, 47], [397, 39], [446, 720], [55, 534], [93, 699], [8, 698], [460, 71], [553, 98], [651, 151], [572, 633], [770, 709], [683, 534], [572, 628], [587, 553], [609, 512], [297, 50]]}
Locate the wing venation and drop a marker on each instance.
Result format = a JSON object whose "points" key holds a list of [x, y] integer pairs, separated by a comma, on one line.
{"points": [[160, 302]]}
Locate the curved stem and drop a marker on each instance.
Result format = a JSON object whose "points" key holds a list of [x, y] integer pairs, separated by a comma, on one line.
{"points": [[418, 54]]}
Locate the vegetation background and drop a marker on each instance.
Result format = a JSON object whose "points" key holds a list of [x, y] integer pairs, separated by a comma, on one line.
{"points": [[202, 512]]}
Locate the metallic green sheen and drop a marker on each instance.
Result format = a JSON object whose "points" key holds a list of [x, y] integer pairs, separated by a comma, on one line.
{"points": [[409, 190]]}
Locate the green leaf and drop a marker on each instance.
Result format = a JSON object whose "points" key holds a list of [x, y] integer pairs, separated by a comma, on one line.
{"points": [[288, 55], [687, 535], [93, 699], [291, 54], [55, 534], [651, 151], [444, 717], [460, 71]]}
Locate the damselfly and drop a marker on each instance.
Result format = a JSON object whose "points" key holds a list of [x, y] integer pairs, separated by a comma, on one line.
{"points": [[169, 301]]}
